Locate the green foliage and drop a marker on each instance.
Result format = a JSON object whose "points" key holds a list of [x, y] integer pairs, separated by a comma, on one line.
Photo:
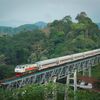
{"points": [[40, 92], [64, 37], [45, 92], [6, 71], [83, 43], [96, 71], [86, 95], [4, 30]]}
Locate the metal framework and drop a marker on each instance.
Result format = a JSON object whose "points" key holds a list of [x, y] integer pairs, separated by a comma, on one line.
{"points": [[59, 71]]}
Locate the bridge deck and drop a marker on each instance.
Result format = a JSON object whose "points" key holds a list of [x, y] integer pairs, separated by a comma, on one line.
{"points": [[60, 72]]}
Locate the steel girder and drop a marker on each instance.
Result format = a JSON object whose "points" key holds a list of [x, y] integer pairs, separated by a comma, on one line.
{"points": [[59, 71]]}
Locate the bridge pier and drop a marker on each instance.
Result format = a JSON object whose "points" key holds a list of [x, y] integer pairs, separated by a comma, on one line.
{"points": [[75, 81], [54, 89], [66, 88], [73, 77]]}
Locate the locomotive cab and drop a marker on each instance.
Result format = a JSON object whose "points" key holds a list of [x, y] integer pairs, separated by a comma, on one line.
{"points": [[20, 70]]}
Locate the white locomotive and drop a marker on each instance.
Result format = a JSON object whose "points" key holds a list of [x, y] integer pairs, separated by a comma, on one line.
{"points": [[40, 65]]}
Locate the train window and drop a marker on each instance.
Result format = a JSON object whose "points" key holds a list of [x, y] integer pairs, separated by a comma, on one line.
{"points": [[19, 67]]}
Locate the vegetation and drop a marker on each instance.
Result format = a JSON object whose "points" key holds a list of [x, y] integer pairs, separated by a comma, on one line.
{"points": [[96, 72], [46, 91], [61, 37]]}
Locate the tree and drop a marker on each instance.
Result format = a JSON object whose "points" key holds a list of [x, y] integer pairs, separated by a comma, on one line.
{"points": [[67, 19], [80, 17], [89, 27], [2, 59]]}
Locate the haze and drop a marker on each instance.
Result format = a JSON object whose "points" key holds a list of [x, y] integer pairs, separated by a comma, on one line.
{"points": [[17, 12]]}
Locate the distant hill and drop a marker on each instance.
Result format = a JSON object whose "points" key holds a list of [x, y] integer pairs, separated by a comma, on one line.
{"points": [[26, 27], [41, 25]]}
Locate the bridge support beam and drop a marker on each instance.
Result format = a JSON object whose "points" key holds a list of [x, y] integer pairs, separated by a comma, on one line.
{"points": [[73, 77], [75, 81], [60, 71], [54, 89], [66, 88]]}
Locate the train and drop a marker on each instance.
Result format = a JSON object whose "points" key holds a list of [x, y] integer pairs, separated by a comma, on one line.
{"points": [[21, 70]]}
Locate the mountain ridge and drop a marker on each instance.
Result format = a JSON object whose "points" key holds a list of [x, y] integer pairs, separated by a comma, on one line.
{"points": [[25, 27]]}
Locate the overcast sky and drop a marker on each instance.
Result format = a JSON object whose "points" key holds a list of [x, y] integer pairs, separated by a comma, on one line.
{"points": [[18, 12]]}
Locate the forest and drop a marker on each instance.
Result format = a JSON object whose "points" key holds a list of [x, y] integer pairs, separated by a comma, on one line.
{"points": [[59, 38]]}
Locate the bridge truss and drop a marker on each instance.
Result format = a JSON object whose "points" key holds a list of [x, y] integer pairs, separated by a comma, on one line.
{"points": [[59, 71]]}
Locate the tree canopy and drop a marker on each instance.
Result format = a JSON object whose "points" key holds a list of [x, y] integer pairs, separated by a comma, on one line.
{"points": [[59, 38]]}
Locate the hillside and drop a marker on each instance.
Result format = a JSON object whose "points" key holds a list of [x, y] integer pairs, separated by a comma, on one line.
{"points": [[59, 38], [26, 27]]}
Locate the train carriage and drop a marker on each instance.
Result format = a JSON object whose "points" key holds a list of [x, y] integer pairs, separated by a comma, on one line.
{"points": [[40, 65]]}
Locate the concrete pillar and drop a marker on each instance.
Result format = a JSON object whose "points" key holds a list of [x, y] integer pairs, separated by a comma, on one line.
{"points": [[54, 89], [75, 81], [66, 88], [75, 84], [54, 79]]}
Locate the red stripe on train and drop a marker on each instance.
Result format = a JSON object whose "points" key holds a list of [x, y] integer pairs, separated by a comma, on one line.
{"points": [[31, 68]]}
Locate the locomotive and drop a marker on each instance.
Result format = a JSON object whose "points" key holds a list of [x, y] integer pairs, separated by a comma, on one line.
{"points": [[20, 70]]}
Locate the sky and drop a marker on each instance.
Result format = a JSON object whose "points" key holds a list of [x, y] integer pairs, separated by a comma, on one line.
{"points": [[17, 12]]}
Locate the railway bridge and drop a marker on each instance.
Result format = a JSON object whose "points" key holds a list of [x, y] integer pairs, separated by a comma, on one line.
{"points": [[60, 71]]}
